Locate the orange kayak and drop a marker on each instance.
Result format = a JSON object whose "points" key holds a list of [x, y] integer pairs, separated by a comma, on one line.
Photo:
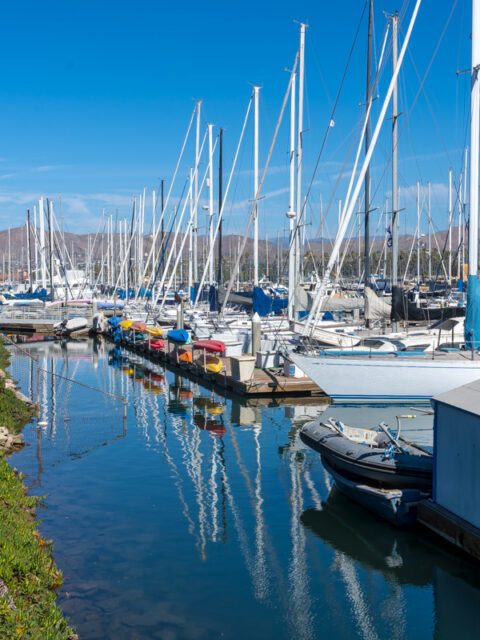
{"points": [[185, 355]]}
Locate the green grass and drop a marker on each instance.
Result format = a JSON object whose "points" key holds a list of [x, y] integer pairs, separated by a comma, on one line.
{"points": [[4, 356], [13, 414], [26, 561]]}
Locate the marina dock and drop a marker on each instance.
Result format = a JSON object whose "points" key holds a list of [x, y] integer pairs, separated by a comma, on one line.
{"points": [[264, 382], [28, 325]]}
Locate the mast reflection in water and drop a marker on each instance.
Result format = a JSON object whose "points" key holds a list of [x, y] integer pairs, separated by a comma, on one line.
{"points": [[206, 516]]}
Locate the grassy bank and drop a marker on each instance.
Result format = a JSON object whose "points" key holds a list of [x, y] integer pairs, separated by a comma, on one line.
{"points": [[27, 568], [14, 414]]}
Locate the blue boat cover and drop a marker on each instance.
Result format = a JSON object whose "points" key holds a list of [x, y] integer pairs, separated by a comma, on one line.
{"points": [[472, 319], [213, 298], [263, 304]]}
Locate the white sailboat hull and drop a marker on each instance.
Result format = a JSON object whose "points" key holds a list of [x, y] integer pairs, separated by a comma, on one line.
{"points": [[386, 379]]}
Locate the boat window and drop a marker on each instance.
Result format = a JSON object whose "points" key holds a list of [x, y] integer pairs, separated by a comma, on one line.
{"points": [[371, 343], [417, 347]]}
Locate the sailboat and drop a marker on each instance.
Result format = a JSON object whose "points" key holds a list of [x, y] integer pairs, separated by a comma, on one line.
{"points": [[403, 376]]}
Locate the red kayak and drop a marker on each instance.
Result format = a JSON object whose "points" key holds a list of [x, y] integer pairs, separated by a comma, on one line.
{"points": [[157, 344], [212, 346], [215, 428]]}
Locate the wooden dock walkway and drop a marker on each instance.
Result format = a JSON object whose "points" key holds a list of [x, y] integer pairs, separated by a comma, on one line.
{"points": [[265, 383], [27, 325]]}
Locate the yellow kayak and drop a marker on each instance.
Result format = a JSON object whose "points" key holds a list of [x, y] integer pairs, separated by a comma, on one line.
{"points": [[211, 363], [215, 409], [126, 324], [154, 331]]}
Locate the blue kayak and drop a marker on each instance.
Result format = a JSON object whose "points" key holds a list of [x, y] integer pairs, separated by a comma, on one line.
{"points": [[180, 336]]}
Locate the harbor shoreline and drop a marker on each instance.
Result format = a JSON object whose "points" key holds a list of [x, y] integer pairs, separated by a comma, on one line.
{"points": [[29, 578]]}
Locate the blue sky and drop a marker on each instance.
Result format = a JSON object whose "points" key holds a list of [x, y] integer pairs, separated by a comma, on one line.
{"points": [[96, 98]]}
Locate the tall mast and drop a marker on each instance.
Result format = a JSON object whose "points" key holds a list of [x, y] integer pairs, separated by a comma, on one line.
{"points": [[359, 232], [195, 204], [220, 202], [9, 260], [36, 245], [429, 231], [255, 185], [42, 244], [322, 235], [278, 257], [419, 277], [459, 232], [50, 231], [449, 226], [266, 253], [162, 204], [368, 99], [301, 79], [154, 234], [474, 135], [291, 208], [210, 201], [337, 261], [190, 241], [394, 158], [29, 255], [472, 330], [464, 217]]}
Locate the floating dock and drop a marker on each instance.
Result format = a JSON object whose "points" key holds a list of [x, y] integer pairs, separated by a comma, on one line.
{"points": [[450, 527], [28, 325], [264, 382]]}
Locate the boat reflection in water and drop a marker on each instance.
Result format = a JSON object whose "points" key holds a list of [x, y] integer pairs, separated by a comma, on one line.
{"points": [[404, 559], [208, 517]]}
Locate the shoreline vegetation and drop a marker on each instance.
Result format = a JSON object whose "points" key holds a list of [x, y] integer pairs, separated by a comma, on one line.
{"points": [[29, 578]]}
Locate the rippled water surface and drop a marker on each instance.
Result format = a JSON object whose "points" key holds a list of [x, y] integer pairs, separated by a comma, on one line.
{"points": [[200, 516]]}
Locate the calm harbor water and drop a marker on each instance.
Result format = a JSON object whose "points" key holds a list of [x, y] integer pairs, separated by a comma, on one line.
{"points": [[203, 517]]}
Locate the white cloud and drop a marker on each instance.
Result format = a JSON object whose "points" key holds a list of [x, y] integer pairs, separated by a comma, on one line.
{"points": [[113, 199], [439, 190], [76, 205], [46, 167]]}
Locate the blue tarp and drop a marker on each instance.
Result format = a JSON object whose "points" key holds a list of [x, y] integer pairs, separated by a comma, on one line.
{"points": [[114, 321], [40, 294], [213, 298], [472, 319], [263, 304]]}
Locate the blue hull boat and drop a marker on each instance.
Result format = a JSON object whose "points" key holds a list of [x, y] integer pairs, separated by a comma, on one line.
{"points": [[397, 506]]}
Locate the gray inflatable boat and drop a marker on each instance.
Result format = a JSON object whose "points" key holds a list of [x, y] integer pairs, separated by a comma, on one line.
{"points": [[376, 457]]}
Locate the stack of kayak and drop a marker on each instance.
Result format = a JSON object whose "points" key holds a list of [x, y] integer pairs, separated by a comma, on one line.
{"points": [[180, 337], [154, 335], [209, 362], [374, 467]]}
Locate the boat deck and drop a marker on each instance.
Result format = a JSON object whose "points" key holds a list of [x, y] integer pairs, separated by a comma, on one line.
{"points": [[401, 356]]}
